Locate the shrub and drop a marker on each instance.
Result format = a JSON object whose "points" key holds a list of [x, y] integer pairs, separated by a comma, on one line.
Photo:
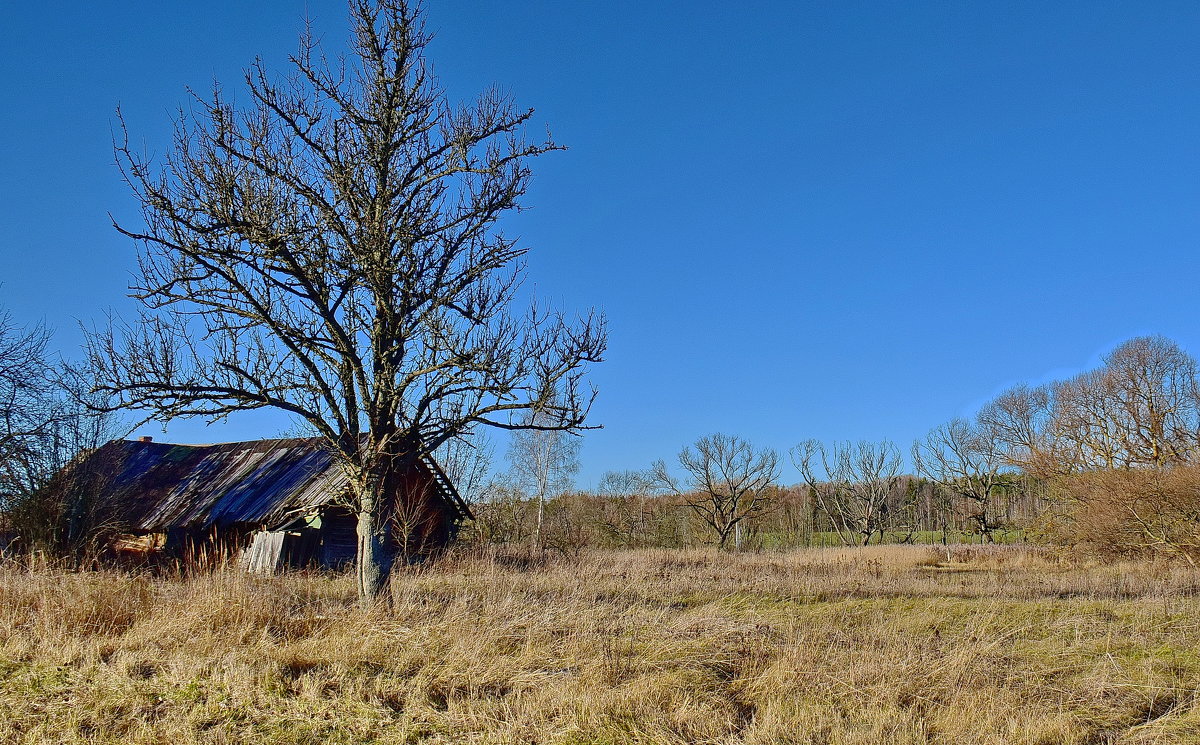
{"points": [[1138, 511]]}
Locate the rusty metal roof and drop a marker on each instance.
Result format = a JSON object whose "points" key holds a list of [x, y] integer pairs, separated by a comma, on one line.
{"points": [[155, 487]]}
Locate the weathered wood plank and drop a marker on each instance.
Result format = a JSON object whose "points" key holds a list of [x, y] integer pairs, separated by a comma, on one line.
{"points": [[263, 554]]}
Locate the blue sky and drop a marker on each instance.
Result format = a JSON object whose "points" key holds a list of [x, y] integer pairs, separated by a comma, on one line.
{"points": [[832, 220]]}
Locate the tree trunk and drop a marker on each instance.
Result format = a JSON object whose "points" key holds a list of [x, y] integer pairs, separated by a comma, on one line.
{"points": [[723, 533], [541, 513], [375, 552]]}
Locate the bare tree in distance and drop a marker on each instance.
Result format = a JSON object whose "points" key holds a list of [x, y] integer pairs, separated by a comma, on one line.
{"points": [[963, 459], [1148, 394], [1141, 409], [727, 482], [503, 515], [45, 422], [45, 417], [26, 405], [628, 513], [467, 462], [1085, 423], [543, 462], [618, 483], [1018, 421], [331, 248], [852, 483]]}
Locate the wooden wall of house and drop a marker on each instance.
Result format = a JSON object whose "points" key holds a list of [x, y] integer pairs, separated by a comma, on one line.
{"points": [[208, 549], [339, 539], [421, 523]]}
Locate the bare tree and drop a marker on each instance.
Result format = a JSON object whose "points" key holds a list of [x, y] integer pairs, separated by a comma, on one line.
{"points": [[1149, 386], [1019, 423], [855, 486], [628, 514], [45, 422], [1141, 409], [728, 482], [543, 463], [1085, 425], [467, 462], [27, 408], [968, 464], [331, 249], [504, 514]]}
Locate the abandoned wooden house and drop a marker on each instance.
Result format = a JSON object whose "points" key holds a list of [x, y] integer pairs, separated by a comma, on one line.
{"points": [[266, 504]]}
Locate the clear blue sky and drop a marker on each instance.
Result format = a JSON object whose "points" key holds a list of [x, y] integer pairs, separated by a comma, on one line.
{"points": [[832, 220]]}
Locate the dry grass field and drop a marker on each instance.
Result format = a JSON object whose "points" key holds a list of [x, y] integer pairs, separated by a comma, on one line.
{"points": [[876, 645]]}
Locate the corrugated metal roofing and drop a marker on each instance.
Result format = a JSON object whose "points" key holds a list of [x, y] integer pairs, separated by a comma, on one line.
{"points": [[155, 487]]}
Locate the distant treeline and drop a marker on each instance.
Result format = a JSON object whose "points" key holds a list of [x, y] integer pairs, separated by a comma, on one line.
{"points": [[919, 512], [1108, 460]]}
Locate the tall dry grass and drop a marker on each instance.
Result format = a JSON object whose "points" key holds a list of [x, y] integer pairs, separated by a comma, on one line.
{"points": [[875, 645]]}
